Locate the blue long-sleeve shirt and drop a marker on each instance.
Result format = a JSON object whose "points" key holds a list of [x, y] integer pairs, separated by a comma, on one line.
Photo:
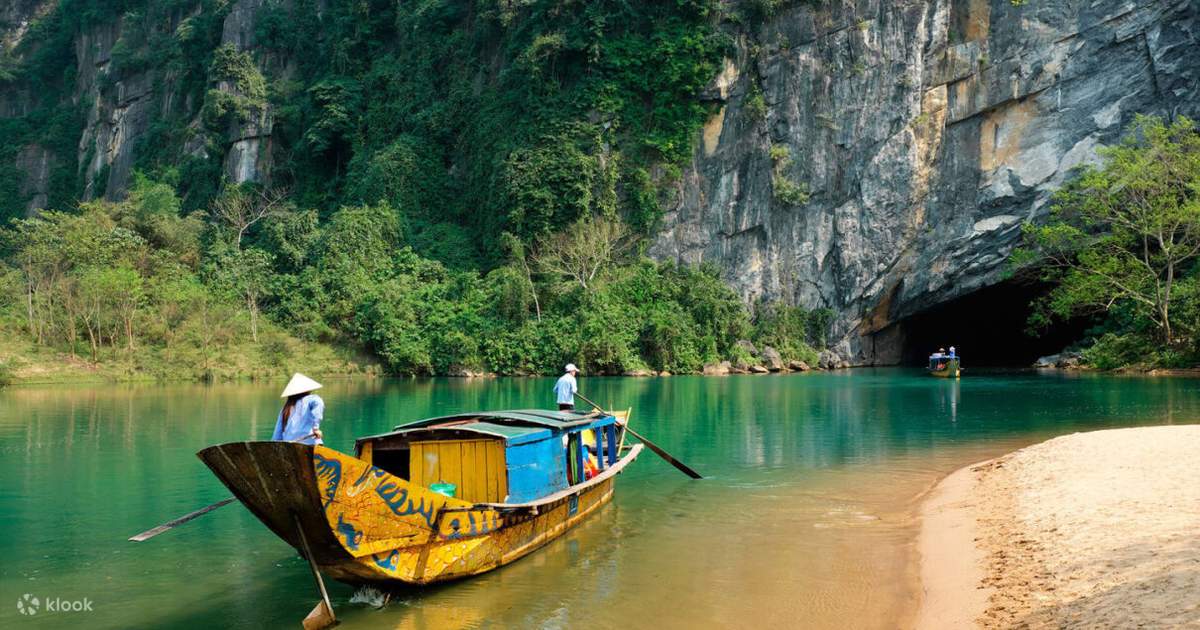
{"points": [[565, 388], [306, 418]]}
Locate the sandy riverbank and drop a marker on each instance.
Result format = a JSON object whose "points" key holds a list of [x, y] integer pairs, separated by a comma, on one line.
{"points": [[1097, 529]]}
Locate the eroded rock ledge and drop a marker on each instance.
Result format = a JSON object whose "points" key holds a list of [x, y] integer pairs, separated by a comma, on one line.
{"points": [[926, 133]]}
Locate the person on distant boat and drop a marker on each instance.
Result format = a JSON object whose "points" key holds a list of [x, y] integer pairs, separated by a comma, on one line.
{"points": [[952, 355], [565, 388], [935, 359], [300, 418]]}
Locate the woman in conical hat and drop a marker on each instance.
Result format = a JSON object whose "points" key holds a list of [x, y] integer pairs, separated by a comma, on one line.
{"points": [[300, 418]]}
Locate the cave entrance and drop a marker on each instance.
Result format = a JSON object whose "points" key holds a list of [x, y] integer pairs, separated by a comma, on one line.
{"points": [[987, 327]]}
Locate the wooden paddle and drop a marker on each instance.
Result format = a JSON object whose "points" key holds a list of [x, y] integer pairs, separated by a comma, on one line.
{"points": [[684, 468], [151, 533], [322, 615]]}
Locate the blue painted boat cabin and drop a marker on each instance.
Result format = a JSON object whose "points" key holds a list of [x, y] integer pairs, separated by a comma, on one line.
{"points": [[507, 457]]}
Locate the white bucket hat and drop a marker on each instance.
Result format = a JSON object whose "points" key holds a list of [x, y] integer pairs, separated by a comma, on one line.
{"points": [[299, 385], [571, 367]]}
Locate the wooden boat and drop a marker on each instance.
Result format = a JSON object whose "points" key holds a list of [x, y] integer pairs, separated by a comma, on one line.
{"points": [[522, 479], [945, 367]]}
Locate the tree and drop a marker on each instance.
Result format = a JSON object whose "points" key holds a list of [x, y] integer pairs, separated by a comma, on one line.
{"points": [[516, 251], [120, 290], [580, 252], [248, 272], [240, 207], [1126, 233], [210, 328]]}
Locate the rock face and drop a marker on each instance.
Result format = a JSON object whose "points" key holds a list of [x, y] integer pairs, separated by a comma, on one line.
{"points": [[124, 105], [770, 359], [248, 157], [926, 132], [35, 163], [829, 360], [1061, 360], [874, 157], [717, 369]]}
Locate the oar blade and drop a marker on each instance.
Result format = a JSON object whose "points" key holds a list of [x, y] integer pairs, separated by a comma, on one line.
{"points": [[320, 618], [151, 533], [682, 467]]}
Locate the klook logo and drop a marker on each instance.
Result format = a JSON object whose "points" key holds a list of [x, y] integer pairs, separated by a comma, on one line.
{"points": [[29, 604]]}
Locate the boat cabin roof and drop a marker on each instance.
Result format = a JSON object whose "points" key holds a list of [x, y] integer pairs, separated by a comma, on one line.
{"points": [[540, 417], [515, 427]]}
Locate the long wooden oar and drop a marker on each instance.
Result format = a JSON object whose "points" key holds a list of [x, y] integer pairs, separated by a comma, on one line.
{"points": [[684, 468], [151, 533], [322, 616]]}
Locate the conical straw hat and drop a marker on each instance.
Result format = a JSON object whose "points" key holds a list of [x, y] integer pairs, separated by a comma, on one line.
{"points": [[299, 385]]}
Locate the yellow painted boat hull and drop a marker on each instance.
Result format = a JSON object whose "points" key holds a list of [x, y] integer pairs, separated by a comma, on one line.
{"points": [[365, 525]]}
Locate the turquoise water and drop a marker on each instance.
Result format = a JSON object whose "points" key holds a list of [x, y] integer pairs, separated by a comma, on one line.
{"points": [[806, 519]]}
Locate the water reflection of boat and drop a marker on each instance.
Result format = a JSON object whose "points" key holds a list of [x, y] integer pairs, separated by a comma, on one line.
{"points": [[521, 479], [945, 367]]}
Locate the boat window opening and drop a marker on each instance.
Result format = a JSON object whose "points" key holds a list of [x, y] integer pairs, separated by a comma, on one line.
{"points": [[598, 440], [394, 460], [610, 432], [576, 458]]}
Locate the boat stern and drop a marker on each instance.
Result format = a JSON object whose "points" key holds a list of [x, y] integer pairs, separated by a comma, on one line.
{"points": [[359, 520], [280, 483]]}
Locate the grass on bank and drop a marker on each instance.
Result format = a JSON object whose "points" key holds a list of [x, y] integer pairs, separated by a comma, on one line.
{"points": [[23, 361]]}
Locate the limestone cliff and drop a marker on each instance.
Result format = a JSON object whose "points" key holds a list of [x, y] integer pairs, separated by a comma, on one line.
{"points": [[122, 103], [873, 157], [925, 133]]}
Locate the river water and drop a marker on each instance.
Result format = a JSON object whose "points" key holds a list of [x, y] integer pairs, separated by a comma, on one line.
{"points": [[806, 519]]}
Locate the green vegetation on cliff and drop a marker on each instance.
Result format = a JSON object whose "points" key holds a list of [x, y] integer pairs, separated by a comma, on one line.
{"points": [[454, 186], [468, 118], [1123, 245]]}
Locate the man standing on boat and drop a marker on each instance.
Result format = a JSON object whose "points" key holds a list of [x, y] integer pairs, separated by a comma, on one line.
{"points": [[300, 418], [565, 388]]}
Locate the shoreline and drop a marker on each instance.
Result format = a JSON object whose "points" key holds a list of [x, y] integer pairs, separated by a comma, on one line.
{"points": [[100, 376], [948, 556], [1087, 529]]}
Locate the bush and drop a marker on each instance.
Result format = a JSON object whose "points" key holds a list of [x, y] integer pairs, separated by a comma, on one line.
{"points": [[1112, 351], [791, 330], [275, 351], [783, 188], [6, 373]]}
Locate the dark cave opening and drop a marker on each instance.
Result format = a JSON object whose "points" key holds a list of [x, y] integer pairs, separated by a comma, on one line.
{"points": [[987, 327]]}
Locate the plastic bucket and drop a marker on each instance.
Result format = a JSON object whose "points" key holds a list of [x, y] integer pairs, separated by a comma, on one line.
{"points": [[443, 488]]}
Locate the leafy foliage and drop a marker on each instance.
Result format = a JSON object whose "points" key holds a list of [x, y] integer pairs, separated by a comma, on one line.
{"points": [[1123, 242], [455, 185], [784, 189]]}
